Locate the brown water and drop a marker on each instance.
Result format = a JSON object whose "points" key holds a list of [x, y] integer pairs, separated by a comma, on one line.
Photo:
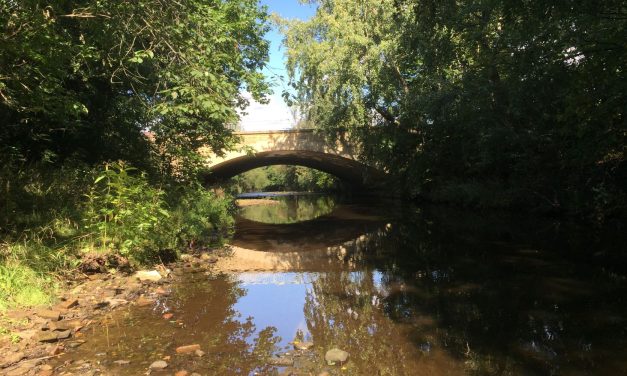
{"points": [[415, 292]]}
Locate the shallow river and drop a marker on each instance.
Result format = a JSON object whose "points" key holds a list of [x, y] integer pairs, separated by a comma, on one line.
{"points": [[404, 290]]}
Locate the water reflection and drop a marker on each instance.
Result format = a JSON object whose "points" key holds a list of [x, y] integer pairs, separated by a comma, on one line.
{"points": [[433, 292], [284, 209]]}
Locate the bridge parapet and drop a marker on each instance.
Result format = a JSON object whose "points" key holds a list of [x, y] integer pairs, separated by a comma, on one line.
{"points": [[283, 140]]}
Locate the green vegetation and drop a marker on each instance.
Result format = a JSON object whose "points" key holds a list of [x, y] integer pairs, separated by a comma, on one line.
{"points": [[284, 178], [104, 105], [289, 209], [492, 103]]}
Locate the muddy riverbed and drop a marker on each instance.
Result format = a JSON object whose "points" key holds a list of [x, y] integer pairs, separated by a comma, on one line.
{"points": [[314, 285]]}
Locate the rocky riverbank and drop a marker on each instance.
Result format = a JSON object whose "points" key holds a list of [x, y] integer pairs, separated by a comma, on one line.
{"points": [[41, 336]]}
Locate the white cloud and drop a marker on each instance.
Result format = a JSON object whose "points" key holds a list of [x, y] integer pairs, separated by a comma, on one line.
{"points": [[260, 117]]}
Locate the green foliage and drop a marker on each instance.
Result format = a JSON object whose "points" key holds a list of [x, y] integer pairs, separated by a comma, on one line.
{"points": [[522, 97], [284, 178], [126, 214], [202, 218], [56, 216], [146, 82], [87, 79], [22, 286]]}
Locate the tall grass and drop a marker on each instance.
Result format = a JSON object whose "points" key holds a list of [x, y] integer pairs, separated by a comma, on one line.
{"points": [[53, 217]]}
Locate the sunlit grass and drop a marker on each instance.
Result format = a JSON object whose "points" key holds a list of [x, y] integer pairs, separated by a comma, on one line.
{"points": [[21, 286]]}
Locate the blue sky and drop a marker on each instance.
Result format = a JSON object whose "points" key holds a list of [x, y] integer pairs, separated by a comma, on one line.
{"points": [[276, 114]]}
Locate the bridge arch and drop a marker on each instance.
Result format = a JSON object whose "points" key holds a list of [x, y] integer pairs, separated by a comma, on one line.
{"points": [[301, 147]]}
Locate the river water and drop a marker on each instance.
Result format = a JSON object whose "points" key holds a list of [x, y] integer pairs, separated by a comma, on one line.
{"points": [[404, 290]]}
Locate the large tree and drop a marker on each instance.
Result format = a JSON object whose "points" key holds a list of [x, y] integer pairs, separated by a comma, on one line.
{"points": [[87, 79], [493, 102]]}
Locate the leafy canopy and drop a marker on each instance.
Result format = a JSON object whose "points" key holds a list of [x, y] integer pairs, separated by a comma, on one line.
{"points": [[86, 78]]}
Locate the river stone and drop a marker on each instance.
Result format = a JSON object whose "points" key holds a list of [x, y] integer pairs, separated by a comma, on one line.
{"points": [[148, 275], [64, 334], [142, 301], [159, 364], [334, 356], [11, 359], [49, 314], [47, 337]]}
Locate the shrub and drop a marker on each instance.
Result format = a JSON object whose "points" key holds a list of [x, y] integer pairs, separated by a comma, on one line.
{"points": [[202, 217], [125, 214]]}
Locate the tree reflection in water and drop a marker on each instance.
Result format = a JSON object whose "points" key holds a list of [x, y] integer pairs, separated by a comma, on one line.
{"points": [[430, 293], [203, 314], [442, 296], [290, 209]]}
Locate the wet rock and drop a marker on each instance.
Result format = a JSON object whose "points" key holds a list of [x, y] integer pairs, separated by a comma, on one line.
{"points": [[187, 349], [142, 301], [305, 345], [148, 275], [64, 334], [116, 302], [47, 337], [19, 371], [65, 325], [68, 304], [53, 336], [49, 314], [11, 359], [58, 349], [159, 364], [102, 305], [335, 356], [75, 344]]}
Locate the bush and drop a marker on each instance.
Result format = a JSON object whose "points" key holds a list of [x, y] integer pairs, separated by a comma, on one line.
{"points": [[56, 217], [201, 217], [125, 214]]}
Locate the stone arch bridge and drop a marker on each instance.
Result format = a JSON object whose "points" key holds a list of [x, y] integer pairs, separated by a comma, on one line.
{"points": [[302, 147]]}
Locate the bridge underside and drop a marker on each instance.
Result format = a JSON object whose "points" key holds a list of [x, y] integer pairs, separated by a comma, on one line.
{"points": [[349, 171]]}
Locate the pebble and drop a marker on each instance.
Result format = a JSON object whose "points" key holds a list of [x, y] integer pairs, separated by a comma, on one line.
{"points": [[181, 373], [199, 353], [159, 364], [122, 362]]}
